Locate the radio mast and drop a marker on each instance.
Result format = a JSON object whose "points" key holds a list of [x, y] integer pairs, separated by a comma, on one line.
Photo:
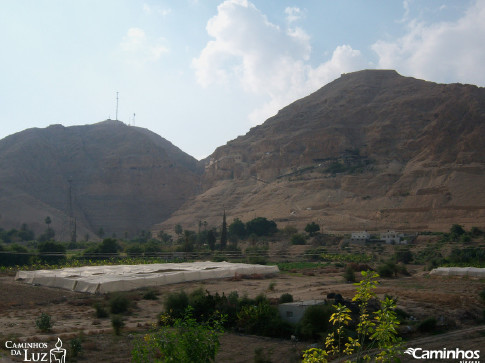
{"points": [[117, 106]]}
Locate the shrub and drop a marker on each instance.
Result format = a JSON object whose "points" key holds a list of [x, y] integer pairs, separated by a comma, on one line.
{"points": [[428, 325], [119, 304], [312, 228], [285, 298], [76, 347], [386, 270], [187, 341], [176, 303], [150, 295], [349, 274], [315, 321], [100, 311], [263, 319], [117, 323], [52, 252], [44, 323], [261, 356], [298, 239]]}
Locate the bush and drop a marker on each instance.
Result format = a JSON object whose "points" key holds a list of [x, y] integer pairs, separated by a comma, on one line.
{"points": [[100, 311], [119, 304], [150, 295], [312, 228], [428, 325], [386, 270], [285, 298], [52, 252], [315, 321], [298, 239], [76, 347], [263, 319], [117, 323], [349, 274], [187, 341], [44, 323], [176, 303]]}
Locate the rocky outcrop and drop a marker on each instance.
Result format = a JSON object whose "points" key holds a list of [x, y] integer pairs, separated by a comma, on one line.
{"points": [[370, 150]]}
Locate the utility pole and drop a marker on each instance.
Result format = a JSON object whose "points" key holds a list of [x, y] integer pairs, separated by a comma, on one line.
{"points": [[72, 220], [117, 106]]}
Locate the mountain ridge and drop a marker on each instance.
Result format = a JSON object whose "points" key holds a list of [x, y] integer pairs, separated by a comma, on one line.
{"points": [[362, 152]]}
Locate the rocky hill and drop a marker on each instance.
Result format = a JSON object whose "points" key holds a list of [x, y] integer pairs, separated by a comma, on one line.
{"points": [[371, 150], [122, 178]]}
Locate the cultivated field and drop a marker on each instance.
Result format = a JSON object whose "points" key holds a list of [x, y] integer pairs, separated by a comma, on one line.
{"points": [[453, 302]]}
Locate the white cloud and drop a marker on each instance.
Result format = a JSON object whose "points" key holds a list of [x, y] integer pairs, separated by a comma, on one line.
{"points": [[140, 49], [293, 14], [441, 52], [149, 10], [265, 59]]}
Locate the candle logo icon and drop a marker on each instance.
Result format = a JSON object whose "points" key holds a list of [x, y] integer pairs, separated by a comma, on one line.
{"points": [[58, 354]]}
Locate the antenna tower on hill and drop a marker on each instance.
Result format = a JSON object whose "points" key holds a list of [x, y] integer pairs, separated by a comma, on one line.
{"points": [[117, 106]]}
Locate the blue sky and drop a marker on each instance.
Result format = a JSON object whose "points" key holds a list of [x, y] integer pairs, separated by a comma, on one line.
{"points": [[200, 73]]}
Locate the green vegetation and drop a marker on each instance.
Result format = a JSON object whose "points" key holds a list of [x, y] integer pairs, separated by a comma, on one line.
{"points": [[44, 323], [298, 239], [285, 298], [184, 340], [117, 323], [312, 228], [119, 304], [375, 332]]}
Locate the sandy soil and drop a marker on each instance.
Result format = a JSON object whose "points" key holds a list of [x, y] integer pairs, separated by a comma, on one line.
{"points": [[452, 301]]}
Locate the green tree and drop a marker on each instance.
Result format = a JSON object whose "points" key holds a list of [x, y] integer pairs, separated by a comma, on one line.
{"points": [[109, 246], [456, 231], [260, 226], [237, 229], [52, 252], [48, 221], [178, 229], [224, 232], [312, 228], [211, 239], [298, 239], [26, 234]]}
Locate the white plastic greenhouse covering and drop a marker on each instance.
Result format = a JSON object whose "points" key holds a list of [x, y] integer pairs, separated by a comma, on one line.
{"points": [[459, 271], [104, 279]]}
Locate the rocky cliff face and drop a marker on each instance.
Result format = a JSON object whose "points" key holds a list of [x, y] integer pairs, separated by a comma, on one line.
{"points": [[371, 150], [122, 179]]}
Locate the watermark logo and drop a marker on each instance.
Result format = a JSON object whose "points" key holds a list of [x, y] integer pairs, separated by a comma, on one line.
{"points": [[464, 356], [58, 354], [30, 351]]}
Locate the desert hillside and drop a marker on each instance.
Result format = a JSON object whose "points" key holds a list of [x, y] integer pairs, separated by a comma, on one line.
{"points": [[371, 150], [122, 179]]}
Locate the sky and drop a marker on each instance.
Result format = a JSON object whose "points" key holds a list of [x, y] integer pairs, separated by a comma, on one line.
{"points": [[201, 72]]}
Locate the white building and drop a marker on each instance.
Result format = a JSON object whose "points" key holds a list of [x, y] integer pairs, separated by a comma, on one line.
{"points": [[360, 236], [393, 237]]}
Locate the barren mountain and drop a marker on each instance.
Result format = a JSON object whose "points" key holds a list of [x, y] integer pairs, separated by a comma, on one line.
{"points": [[122, 178], [371, 150]]}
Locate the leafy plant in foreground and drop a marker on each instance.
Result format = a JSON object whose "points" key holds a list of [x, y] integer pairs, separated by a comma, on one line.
{"points": [[186, 341], [377, 330]]}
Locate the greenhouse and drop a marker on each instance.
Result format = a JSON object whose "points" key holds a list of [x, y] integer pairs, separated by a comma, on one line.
{"points": [[105, 279]]}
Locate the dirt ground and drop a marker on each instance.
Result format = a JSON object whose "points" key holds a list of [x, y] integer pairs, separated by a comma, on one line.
{"points": [[453, 302]]}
